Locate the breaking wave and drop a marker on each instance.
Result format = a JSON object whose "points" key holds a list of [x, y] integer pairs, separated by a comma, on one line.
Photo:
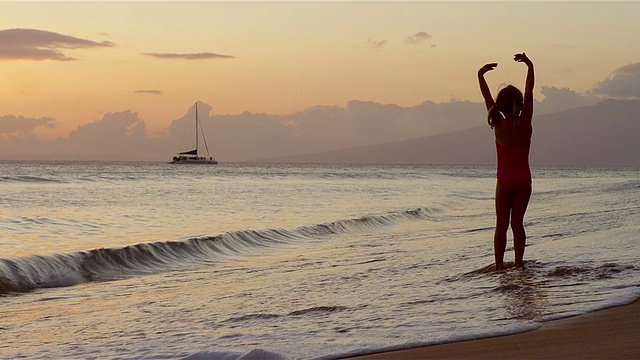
{"points": [[57, 270]]}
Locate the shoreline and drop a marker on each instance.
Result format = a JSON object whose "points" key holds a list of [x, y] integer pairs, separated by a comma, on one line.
{"points": [[611, 333]]}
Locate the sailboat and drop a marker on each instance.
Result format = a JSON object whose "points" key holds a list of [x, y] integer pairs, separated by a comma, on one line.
{"points": [[192, 156]]}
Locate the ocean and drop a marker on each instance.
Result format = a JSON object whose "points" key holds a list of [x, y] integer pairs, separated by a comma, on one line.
{"points": [[270, 261]]}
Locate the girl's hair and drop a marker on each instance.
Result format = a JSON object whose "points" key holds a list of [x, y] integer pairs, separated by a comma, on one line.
{"points": [[508, 101]]}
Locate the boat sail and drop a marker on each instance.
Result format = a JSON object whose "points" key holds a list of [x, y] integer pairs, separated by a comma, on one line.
{"points": [[192, 156]]}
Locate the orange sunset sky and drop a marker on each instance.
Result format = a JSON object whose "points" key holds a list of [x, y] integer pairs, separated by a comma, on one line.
{"points": [[74, 62]]}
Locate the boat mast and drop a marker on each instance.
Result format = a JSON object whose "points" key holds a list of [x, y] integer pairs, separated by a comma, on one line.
{"points": [[196, 129]]}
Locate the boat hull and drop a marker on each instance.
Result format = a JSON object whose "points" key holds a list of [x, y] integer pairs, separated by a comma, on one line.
{"points": [[194, 162]]}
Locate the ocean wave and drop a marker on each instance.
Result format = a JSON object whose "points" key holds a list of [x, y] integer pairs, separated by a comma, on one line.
{"points": [[318, 310], [604, 271], [252, 317], [630, 185], [312, 311], [28, 179], [27, 273]]}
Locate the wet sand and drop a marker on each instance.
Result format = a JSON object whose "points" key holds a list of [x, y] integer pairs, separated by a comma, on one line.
{"points": [[613, 333]]}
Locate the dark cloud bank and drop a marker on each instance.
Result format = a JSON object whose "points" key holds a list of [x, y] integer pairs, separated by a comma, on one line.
{"points": [[623, 83]]}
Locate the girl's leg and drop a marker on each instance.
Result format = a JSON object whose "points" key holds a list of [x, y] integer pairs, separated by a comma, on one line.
{"points": [[520, 203], [504, 202]]}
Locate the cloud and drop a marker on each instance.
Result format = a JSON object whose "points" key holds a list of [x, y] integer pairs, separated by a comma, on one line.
{"points": [[111, 126], [249, 136], [31, 44], [377, 44], [19, 126], [193, 56], [418, 38], [150, 92], [559, 99], [623, 83]]}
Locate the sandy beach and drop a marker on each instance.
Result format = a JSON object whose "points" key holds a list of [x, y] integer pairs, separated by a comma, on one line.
{"points": [[612, 333]]}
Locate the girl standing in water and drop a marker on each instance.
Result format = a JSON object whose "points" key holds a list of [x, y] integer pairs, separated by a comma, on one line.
{"points": [[510, 117]]}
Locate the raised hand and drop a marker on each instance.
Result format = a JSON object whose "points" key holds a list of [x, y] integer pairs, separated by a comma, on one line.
{"points": [[487, 68], [522, 58]]}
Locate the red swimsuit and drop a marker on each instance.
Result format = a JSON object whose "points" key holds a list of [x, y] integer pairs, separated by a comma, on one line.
{"points": [[513, 166]]}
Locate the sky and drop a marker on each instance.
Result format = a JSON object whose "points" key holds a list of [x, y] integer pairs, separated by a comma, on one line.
{"points": [[67, 65]]}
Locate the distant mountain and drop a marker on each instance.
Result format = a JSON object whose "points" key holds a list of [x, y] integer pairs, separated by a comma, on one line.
{"points": [[604, 134]]}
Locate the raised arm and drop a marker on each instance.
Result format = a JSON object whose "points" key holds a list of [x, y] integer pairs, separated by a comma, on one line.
{"points": [[484, 88], [528, 87]]}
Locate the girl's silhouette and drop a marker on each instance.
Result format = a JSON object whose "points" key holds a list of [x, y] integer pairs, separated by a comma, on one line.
{"points": [[510, 117]]}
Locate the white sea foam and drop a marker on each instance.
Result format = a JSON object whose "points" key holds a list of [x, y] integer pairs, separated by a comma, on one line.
{"points": [[622, 297], [256, 354], [514, 328]]}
